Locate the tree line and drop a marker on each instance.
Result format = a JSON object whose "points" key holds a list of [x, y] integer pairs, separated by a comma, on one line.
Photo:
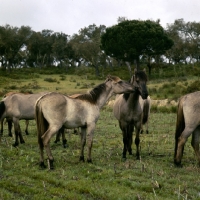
{"points": [[129, 41]]}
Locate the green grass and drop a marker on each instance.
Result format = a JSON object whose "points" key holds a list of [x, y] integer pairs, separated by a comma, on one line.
{"points": [[152, 177]]}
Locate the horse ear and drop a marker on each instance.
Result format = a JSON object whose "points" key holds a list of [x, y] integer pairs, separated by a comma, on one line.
{"points": [[135, 70], [108, 78], [144, 70], [132, 78]]}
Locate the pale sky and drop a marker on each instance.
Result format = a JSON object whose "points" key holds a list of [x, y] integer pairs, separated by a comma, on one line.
{"points": [[69, 16]]}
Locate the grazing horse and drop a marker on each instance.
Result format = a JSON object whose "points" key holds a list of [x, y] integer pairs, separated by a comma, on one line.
{"points": [[17, 107], [146, 113], [128, 110], [9, 121], [54, 110], [188, 122]]}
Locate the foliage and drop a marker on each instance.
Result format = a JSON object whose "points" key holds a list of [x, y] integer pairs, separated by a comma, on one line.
{"points": [[50, 80], [130, 39], [186, 36], [193, 87], [86, 46]]}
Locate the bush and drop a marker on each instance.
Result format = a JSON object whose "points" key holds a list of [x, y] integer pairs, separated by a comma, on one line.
{"points": [[193, 87], [51, 80]]}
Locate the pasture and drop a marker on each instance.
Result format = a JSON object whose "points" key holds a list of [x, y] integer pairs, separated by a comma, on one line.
{"points": [[152, 177], [108, 177]]}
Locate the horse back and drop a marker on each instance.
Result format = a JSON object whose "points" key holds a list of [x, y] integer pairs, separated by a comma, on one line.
{"points": [[20, 105]]}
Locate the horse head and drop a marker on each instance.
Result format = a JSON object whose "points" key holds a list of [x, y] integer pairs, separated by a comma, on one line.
{"points": [[119, 86], [139, 80]]}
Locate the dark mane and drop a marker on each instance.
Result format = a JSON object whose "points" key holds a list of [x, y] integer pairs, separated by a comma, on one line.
{"points": [[138, 74], [141, 74], [93, 95]]}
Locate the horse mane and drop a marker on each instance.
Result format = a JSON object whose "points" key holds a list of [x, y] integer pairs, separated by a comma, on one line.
{"points": [[141, 74], [93, 95]]}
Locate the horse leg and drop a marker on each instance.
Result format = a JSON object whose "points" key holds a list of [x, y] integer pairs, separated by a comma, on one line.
{"points": [[124, 129], [147, 126], [83, 142], [26, 129], [64, 140], [2, 126], [52, 130], [41, 147], [137, 140], [17, 133], [58, 136], [180, 146], [9, 121], [195, 143], [130, 138], [90, 134]]}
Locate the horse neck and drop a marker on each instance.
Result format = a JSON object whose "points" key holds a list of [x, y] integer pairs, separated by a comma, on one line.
{"points": [[103, 98], [133, 99]]}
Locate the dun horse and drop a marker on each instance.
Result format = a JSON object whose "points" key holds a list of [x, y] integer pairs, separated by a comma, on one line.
{"points": [[188, 122], [16, 107], [9, 121], [128, 110], [55, 110]]}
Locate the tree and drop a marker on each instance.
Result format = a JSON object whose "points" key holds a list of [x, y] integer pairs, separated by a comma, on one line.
{"points": [[186, 36], [62, 51], [13, 42], [86, 45], [130, 39]]}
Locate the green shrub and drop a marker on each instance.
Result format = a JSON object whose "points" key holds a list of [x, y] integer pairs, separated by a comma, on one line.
{"points": [[193, 87], [51, 80]]}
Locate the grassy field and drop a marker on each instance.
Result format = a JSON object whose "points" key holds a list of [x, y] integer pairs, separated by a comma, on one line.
{"points": [[152, 177]]}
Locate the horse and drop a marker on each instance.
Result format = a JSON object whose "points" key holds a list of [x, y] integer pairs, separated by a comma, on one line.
{"points": [[9, 121], [16, 107], [146, 113], [61, 132], [128, 110], [54, 110], [187, 123]]}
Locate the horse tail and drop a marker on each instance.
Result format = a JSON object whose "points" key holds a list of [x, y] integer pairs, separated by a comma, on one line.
{"points": [[2, 108], [180, 123], [145, 111], [41, 122]]}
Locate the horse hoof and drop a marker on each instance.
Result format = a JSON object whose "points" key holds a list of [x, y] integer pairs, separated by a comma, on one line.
{"points": [[10, 135], [22, 142], [178, 164], [15, 144], [137, 157], [42, 165], [82, 158], [147, 132], [65, 143], [51, 167], [89, 160]]}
